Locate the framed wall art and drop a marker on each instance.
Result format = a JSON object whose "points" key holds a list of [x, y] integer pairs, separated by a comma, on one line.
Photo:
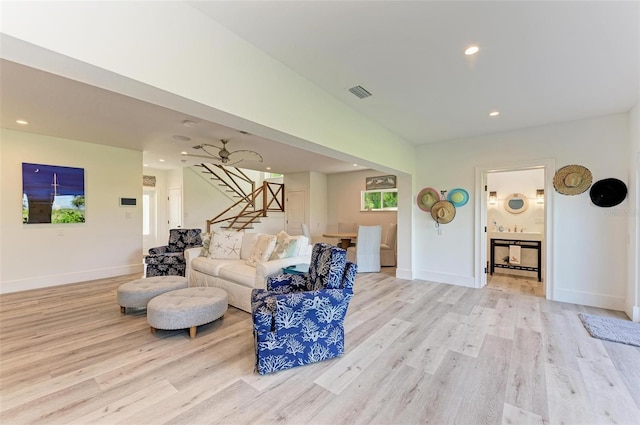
{"points": [[380, 182], [52, 194]]}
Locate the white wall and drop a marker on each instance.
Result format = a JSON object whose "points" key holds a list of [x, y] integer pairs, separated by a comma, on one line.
{"points": [[632, 307], [590, 252], [344, 190], [318, 206], [161, 231], [108, 244]]}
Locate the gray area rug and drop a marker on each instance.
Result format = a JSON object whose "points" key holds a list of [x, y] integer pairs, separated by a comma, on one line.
{"points": [[611, 329]]}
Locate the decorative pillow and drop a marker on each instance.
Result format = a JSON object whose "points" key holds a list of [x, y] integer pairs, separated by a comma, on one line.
{"points": [[301, 242], [282, 243], [261, 250], [225, 245], [206, 242], [288, 246]]}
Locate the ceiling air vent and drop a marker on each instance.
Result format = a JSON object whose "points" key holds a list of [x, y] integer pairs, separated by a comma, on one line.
{"points": [[360, 92]]}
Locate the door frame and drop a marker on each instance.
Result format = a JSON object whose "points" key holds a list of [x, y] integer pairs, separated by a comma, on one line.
{"points": [[480, 261]]}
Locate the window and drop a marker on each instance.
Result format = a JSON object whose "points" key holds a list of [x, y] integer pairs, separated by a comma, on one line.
{"points": [[379, 200]]}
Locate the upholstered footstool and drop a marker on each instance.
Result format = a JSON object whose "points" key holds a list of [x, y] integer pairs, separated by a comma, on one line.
{"points": [[139, 292], [186, 308]]}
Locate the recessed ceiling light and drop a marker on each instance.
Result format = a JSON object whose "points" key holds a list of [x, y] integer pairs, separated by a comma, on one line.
{"points": [[183, 153], [145, 165], [181, 138], [189, 123], [161, 160], [268, 168], [471, 50], [494, 113], [22, 122], [355, 165]]}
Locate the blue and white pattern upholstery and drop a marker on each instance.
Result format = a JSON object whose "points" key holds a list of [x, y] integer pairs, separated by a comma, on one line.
{"points": [[168, 260], [299, 319]]}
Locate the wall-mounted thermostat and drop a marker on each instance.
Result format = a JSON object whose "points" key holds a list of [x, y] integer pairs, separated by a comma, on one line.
{"points": [[127, 202]]}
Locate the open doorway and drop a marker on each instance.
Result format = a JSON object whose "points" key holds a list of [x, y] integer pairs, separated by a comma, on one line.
{"points": [[514, 244], [515, 230]]}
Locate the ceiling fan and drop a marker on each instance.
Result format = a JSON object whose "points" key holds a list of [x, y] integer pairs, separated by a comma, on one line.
{"points": [[226, 157]]}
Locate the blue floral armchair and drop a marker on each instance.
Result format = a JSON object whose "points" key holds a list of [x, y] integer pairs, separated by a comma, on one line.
{"points": [[168, 260], [299, 319]]}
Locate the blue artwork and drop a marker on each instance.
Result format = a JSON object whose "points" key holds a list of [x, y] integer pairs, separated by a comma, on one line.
{"points": [[52, 194]]}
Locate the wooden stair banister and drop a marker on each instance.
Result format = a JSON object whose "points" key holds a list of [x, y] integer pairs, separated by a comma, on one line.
{"points": [[272, 193]]}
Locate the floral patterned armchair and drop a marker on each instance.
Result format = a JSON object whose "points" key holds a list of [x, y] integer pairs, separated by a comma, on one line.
{"points": [[299, 319], [169, 259]]}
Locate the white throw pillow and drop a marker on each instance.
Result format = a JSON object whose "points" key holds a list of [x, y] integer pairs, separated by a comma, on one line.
{"points": [[225, 245], [262, 250], [206, 243], [248, 241], [298, 249]]}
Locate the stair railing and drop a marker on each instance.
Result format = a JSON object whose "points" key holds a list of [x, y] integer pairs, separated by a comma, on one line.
{"points": [[272, 200]]}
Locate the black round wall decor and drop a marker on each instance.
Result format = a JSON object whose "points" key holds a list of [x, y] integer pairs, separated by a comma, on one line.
{"points": [[608, 192]]}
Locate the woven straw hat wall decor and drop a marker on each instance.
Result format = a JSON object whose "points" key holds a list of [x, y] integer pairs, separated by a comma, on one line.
{"points": [[572, 180], [443, 212]]}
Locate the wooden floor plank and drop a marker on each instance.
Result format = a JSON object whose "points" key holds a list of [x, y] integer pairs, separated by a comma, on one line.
{"points": [[416, 352]]}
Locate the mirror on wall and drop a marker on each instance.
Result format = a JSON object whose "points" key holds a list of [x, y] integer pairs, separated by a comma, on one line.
{"points": [[516, 203]]}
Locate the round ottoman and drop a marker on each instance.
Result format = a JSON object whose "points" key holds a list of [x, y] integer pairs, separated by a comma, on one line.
{"points": [[139, 292], [186, 308]]}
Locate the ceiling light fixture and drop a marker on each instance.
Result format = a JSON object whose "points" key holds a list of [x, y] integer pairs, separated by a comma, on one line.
{"points": [[189, 123], [183, 153], [494, 113], [471, 50], [161, 160], [181, 138], [22, 122], [226, 157]]}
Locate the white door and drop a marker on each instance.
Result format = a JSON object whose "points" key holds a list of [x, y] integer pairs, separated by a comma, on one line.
{"points": [[295, 211], [175, 208]]}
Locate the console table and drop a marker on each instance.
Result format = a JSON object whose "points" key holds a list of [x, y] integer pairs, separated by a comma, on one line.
{"points": [[524, 244]]}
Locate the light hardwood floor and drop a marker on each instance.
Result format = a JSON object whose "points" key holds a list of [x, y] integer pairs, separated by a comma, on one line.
{"points": [[417, 352]]}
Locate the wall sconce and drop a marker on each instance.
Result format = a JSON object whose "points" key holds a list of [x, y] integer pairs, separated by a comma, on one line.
{"points": [[540, 196], [493, 198]]}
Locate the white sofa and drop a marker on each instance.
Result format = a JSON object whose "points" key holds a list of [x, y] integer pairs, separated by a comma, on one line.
{"points": [[237, 277]]}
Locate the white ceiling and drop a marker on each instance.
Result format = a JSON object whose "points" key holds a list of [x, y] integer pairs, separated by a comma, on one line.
{"points": [[539, 63]]}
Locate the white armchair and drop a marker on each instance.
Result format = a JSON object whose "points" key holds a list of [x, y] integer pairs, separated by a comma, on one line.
{"points": [[366, 253]]}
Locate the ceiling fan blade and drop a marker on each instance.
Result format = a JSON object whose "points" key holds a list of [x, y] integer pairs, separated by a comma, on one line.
{"points": [[203, 156], [245, 155]]}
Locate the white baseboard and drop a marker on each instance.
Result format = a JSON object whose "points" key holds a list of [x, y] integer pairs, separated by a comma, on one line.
{"points": [[404, 274], [589, 298], [450, 279], [633, 311], [66, 278]]}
